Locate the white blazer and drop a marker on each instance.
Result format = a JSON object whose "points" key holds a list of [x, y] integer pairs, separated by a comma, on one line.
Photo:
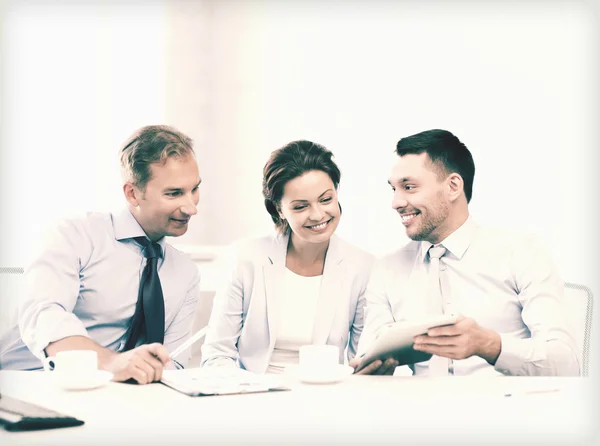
{"points": [[242, 323]]}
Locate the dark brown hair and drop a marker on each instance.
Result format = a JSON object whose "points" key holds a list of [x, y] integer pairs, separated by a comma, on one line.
{"points": [[289, 162]]}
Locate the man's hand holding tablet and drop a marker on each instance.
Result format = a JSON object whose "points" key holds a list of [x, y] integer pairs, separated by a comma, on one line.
{"points": [[461, 340], [394, 346]]}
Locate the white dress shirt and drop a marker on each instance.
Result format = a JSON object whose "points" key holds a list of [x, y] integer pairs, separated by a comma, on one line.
{"points": [[504, 281], [297, 311], [85, 283]]}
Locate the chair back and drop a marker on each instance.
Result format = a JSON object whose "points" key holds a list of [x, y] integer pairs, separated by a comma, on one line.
{"points": [[580, 304], [11, 293]]}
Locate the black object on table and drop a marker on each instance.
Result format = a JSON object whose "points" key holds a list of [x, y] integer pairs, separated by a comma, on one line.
{"points": [[18, 415]]}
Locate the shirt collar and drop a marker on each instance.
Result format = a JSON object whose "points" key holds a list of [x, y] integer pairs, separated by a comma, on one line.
{"points": [[126, 227], [456, 243]]}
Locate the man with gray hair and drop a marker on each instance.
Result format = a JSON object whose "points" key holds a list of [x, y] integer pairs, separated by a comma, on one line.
{"points": [[109, 282]]}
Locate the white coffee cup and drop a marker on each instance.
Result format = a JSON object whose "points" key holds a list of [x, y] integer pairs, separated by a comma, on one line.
{"points": [[73, 364], [318, 357]]}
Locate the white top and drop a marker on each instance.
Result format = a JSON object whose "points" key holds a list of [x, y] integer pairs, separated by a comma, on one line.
{"points": [[242, 329], [504, 280], [296, 319]]}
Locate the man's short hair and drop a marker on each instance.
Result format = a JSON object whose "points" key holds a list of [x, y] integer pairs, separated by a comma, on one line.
{"points": [[149, 145], [446, 152]]}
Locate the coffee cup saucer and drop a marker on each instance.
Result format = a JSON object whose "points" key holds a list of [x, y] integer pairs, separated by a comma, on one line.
{"points": [[86, 381], [328, 375]]}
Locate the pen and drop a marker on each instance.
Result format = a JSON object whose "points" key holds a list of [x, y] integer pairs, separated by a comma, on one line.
{"points": [[197, 336], [532, 392]]}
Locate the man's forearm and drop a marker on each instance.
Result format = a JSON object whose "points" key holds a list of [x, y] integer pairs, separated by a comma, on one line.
{"points": [[490, 346], [80, 343]]}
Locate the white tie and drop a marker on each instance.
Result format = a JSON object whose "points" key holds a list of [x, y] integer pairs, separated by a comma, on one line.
{"points": [[435, 293], [438, 366]]}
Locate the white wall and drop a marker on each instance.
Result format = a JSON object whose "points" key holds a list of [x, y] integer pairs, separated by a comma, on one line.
{"points": [[77, 79], [517, 82]]}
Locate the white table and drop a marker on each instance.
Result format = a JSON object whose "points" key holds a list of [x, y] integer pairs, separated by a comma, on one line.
{"points": [[360, 410]]}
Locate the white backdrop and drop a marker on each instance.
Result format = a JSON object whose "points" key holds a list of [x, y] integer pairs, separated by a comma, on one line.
{"points": [[76, 80], [516, 82]]}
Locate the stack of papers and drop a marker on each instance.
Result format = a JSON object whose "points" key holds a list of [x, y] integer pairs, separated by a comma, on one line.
{"points": [[220, 381]]}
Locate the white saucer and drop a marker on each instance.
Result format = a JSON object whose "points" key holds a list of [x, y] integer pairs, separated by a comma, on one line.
{"points": [[83, 382], [329, 375]]}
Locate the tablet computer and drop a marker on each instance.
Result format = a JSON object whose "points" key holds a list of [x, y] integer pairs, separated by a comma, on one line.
{"points": [[398, 340]]}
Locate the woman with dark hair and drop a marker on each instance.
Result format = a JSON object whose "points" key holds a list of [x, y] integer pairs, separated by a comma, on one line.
{"points": [[303, 286]]}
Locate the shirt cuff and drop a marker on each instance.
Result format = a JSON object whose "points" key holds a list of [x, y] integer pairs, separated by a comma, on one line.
{"points": [[220, 361], [403, 370], [510, 360]]}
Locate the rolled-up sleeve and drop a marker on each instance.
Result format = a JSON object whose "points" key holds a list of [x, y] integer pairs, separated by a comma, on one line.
{"points": [[551, 348], [52, 289]]}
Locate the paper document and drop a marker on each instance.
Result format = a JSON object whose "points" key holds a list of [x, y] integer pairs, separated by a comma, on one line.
{"points": [[220, 381]]}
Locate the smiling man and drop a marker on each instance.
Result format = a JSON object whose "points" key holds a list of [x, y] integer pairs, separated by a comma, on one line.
{"points": [[502, 285], [109, 282]]}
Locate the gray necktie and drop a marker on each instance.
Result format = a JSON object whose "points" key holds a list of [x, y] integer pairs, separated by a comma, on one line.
{"points": [[438, 366]]}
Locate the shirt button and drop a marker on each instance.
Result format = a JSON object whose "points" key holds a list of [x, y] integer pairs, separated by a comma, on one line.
{"points": [[442, 267]]}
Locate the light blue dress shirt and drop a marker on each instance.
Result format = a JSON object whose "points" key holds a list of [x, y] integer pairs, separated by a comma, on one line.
{"points": [[85, 283]]}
